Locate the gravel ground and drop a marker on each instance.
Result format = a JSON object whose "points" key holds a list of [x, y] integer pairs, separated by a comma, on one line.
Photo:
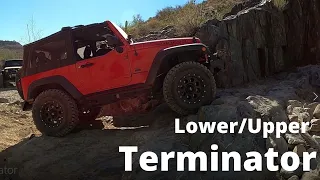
{"points": [[15, 125]]}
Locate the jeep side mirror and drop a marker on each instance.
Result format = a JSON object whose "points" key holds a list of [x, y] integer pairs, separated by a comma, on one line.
{"points": [[119, 49], [130, 38]]}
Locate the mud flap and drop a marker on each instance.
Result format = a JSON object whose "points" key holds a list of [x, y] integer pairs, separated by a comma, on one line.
{"points": [[26, 106]]}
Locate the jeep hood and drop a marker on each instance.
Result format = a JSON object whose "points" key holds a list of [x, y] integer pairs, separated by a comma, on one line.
{"points": [[164, 42], [13, 67]]}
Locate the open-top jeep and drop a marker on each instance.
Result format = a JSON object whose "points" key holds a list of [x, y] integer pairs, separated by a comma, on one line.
{"points": [[68, 76]]}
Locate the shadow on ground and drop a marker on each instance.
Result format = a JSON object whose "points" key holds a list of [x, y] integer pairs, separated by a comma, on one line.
{"points": [[91, 152]]}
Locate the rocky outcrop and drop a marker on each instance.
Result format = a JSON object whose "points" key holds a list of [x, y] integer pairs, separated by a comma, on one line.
{"points": [[271, 104], [302, 25], [251, 45], [257, 39], [167, 32]]}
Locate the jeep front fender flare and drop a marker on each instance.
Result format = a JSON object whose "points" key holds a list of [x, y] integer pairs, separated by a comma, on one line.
{"points": [[161, 57], [54, 80]]}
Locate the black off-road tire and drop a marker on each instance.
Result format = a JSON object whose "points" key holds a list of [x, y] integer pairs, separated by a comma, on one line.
{"points": [[69, 113], [201, 82]]}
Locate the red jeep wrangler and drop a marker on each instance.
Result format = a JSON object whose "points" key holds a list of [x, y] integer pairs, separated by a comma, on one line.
{"points": [[68, 76]]}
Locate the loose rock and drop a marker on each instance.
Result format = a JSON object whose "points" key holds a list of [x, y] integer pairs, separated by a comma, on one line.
{"points": [[310, 176], [312, 106], [295, 139], [4, 100], [288, 174], [317, 138], [295, 103], [316, 112], [304, 117], [279, 144], [315, 125], [299, 150], [289, 109], [293, 118], [295, 177]]}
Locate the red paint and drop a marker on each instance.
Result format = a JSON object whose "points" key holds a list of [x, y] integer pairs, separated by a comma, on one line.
{"points": [[112, 70]]}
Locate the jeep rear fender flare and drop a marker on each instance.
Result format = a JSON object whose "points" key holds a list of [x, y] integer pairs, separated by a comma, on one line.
{"points": [[162, 55], [40, 85]]}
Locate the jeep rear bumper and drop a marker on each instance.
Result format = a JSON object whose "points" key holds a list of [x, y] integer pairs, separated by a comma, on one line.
{"points": [[26, 106]]}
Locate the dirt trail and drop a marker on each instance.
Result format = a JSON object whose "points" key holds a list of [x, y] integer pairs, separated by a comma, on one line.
{"points": [[14, 123]]}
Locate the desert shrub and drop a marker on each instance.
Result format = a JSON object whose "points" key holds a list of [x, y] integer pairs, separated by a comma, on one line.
{"points": [[186, 18], [166, 14], [154, 24], [189, 18]]}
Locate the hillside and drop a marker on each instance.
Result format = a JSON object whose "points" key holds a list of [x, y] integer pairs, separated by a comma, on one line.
{"points": [[10, 50], [185, 18]]}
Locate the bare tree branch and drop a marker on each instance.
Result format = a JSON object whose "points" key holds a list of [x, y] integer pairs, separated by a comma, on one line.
{"points": [[32, 33]]}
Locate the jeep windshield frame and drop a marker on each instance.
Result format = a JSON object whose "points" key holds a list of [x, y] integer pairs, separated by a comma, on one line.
{"points": [[120, 30], [13, 63]]}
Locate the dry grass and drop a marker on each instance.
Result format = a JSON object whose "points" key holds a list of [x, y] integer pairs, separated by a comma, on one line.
{"points": [[10, 53], [14, 125], [186, 18]]}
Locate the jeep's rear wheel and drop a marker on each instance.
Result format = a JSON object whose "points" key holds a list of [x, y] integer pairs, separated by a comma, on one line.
{"points": [[55, 113], [188, 86]]}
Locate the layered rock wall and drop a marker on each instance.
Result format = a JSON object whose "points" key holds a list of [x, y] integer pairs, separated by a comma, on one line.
{"points": [[257, 39]]}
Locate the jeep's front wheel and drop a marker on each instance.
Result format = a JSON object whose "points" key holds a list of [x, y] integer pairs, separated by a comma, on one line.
{"points": [[188, 86], [55, 113]]}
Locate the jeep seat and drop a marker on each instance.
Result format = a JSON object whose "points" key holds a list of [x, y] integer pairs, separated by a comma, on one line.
{"points": [[87, 52]]}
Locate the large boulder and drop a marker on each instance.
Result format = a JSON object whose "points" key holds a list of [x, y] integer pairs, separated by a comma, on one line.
{"points": [[239, 142], [303, 32], [250, 42], [257, 39]]}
